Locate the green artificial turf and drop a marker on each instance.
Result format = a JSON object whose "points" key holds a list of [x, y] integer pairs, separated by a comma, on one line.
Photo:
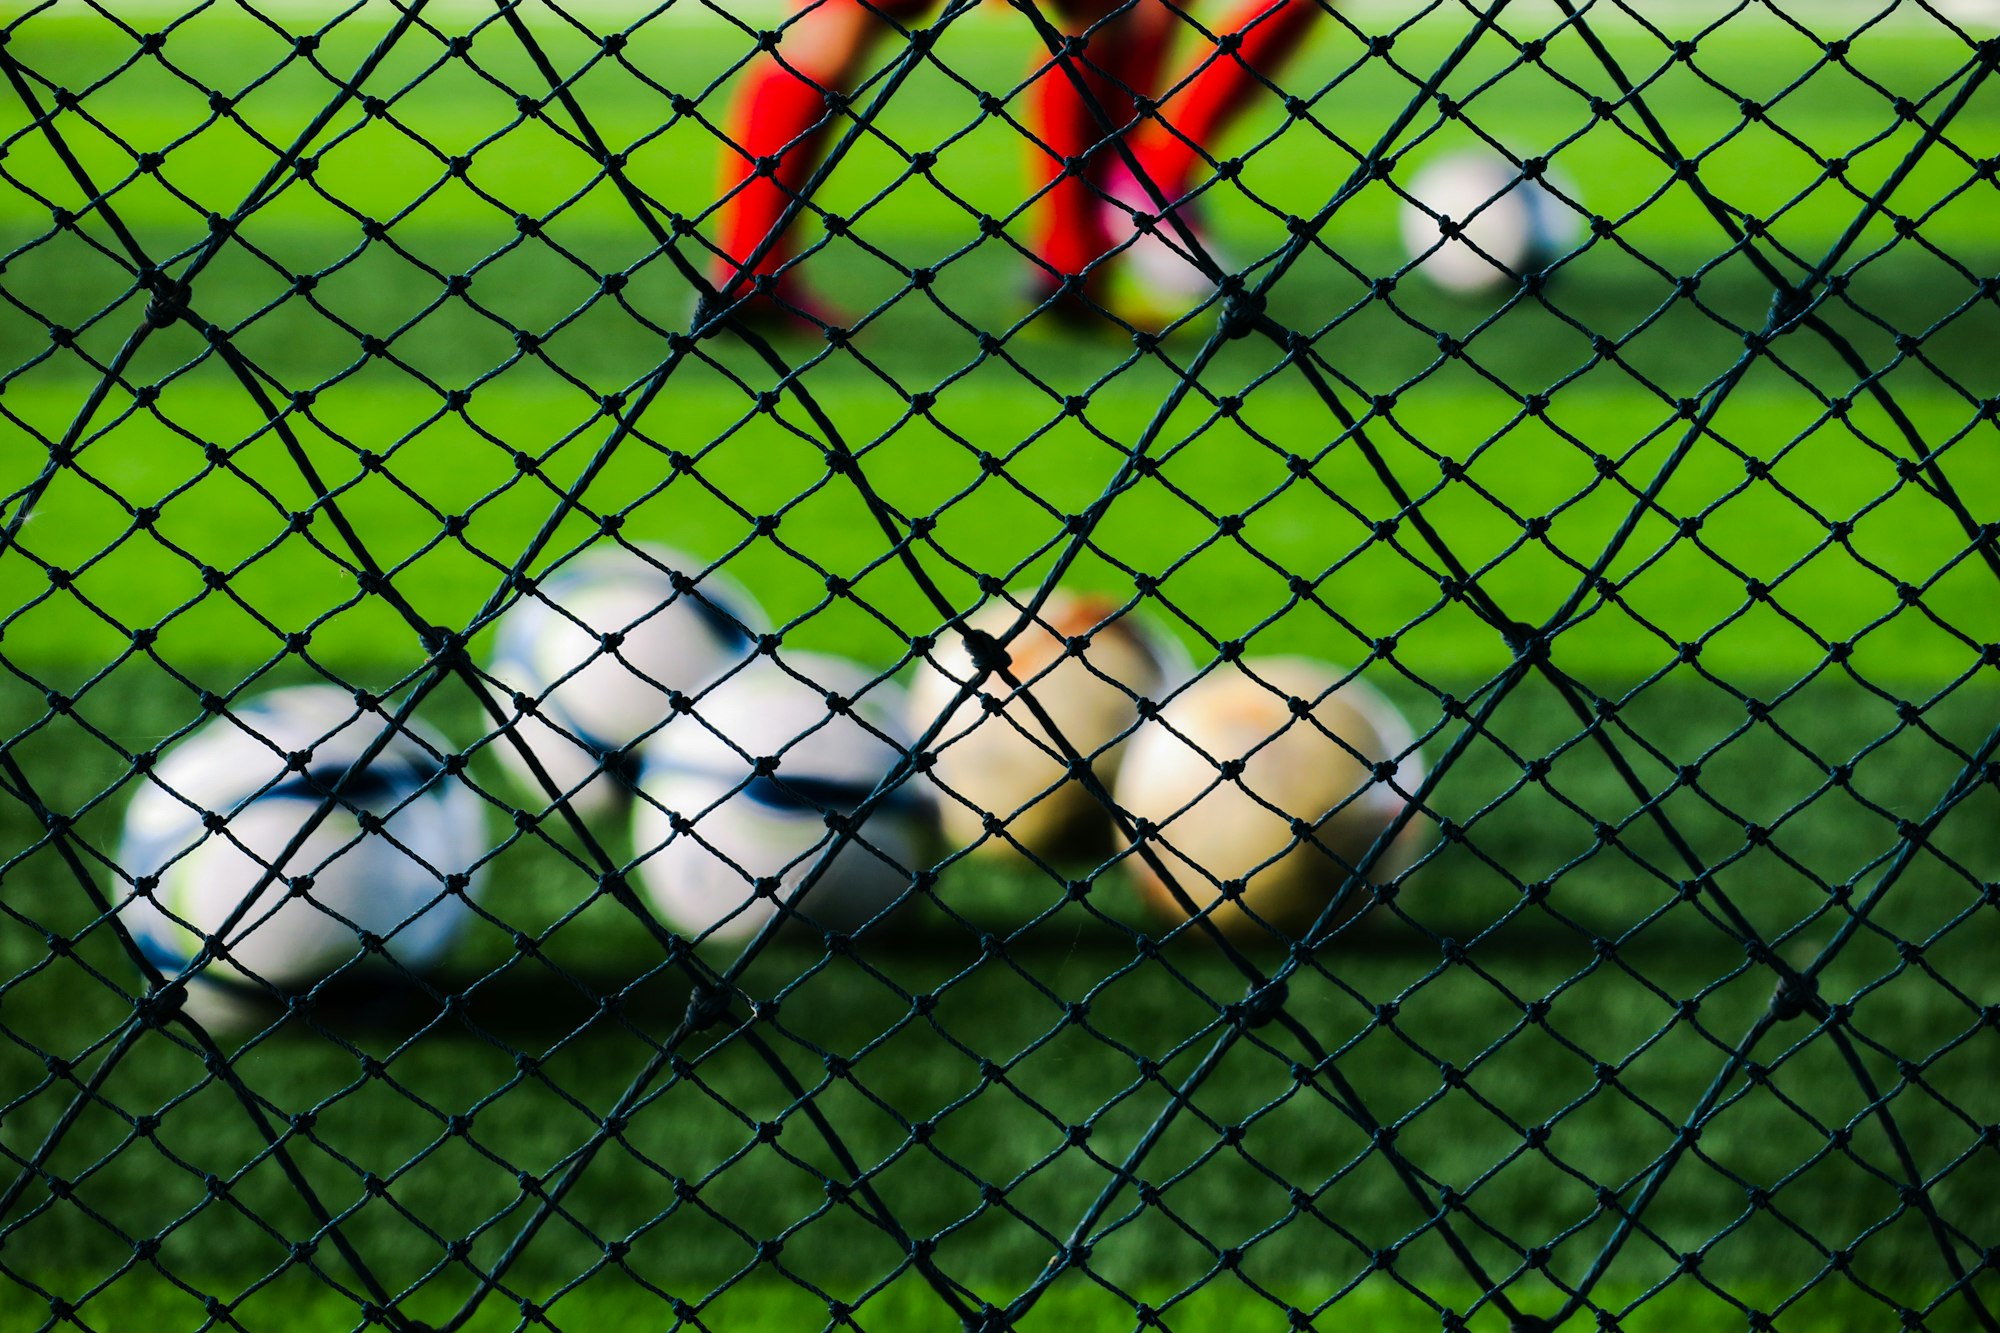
{"points": [[1537, 1016]]}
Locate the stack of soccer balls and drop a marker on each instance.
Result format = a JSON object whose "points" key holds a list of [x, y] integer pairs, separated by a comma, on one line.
{"points": [[648, 697], [299, 836]]}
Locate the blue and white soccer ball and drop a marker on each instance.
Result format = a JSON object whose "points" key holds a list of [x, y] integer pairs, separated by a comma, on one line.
{"points": [[744, 826], [1507, 225], [213, 817], [675, 629]]}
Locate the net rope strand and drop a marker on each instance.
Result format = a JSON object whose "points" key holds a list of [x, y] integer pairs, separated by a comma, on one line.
{"points": [[1091, 518], [1355, 875], [1568, 690], [450, 658], [1774, 326], [1788, 293], [905, 768], [1795, 307], [726, 983], [854, 472]]}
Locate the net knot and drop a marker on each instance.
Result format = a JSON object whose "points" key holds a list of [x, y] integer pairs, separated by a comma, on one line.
{"points": [[713, 311], [1260, 1006], [988, 653], [1240, 312], [1526, 640], [1787, 304], [169, 303], [446, 645], [623, 767], [163, 1003], [1794, 995], [991, 1319], [707, 1006]]}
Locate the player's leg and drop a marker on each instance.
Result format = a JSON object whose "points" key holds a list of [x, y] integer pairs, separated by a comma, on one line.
{"points": [[1254, 44], [779, 117], [1223, 80], [1068, 111]]}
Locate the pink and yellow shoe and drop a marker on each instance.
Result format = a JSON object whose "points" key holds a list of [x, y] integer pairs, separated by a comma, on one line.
{"points": [[1160, 272]]}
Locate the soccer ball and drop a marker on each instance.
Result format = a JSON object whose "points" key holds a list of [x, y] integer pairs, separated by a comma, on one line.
{"points": [[600, 646], [770, 763], [1508, 225], [994, 758], [1236, 759], [212, 818]]}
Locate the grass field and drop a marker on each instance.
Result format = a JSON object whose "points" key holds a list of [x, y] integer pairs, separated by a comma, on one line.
{"points": [[1586, 1014]]}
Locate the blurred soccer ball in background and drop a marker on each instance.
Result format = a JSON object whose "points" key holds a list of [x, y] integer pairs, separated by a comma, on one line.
{"points": [[600, 646], [995, 758], [1263, 776], [761, 778], [1502, 225], [212, 820]]}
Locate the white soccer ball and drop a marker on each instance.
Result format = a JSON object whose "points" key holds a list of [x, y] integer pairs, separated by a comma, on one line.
{"points": [[677, 630], [1241, 754], [750, 838], [1508, 225], [995, 758], [212, 819]]}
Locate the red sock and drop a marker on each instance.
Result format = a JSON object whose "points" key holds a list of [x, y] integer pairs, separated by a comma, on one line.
{"points": [[1072, 233], [1220, 85], [777, 114], [1139, 49]]}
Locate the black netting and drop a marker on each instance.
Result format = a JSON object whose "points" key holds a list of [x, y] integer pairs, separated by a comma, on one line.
{"points": [[1120, 667]]}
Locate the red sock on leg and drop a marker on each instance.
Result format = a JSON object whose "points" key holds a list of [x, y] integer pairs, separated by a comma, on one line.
{"points": [[780, 115], [1071, 234], [1265, 32]]}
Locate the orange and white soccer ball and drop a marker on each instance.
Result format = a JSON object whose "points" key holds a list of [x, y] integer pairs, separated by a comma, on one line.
{"points": [[995, 758], [1244, 755]]}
